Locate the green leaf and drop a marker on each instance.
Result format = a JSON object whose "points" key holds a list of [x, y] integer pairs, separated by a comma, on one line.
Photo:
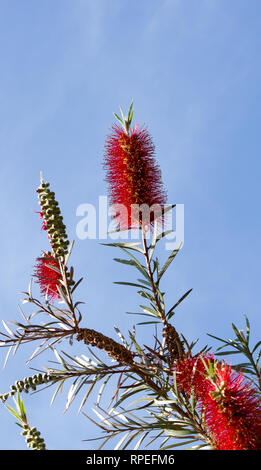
{"points": [[118, 118], [256, 346], [178, 302], [130, 112], [146, 295], [241, 339], [137, 346], [168, 262], [76, 285], [135, 434], [127, 245], [20, 407], [244, 367], [122, 113], [258, 356], [179, 431], [172, 446], [137, 313], [201, 447], [135, 263], [69, 253], [138, 444], [154, 240], [150, 311], [163, 234], [133, 284], [169, 208], [155, 265], [13, 412], [102, 388], [124, 261], [247, 328], [127, 395], [146, 283], [227, 353], [219, 339]]}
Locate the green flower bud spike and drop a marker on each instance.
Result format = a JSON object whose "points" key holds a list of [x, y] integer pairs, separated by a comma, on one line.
{"points": [[28, 383], [32, 435], [52, 220]]}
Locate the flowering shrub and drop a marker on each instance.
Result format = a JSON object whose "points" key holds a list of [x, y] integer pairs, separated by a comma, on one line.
{"points": [[190, 398]]}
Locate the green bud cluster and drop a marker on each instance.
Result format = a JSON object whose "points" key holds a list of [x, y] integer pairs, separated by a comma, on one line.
{"points": [[53, 220], [32, 438], [28, 383]]}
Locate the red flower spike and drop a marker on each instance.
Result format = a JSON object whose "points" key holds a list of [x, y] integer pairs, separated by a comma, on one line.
{"points": [[191, 375], [134, 177], [228, 402], [233, 411], [48, 274]]}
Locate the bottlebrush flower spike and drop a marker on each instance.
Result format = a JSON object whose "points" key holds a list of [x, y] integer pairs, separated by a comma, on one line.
{"points": [[190, 375], [233, 411], [227, 401], [48, 274], [52, 221], [133, 176]]}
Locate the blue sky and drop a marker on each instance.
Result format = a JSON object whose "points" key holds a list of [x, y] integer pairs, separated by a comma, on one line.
{"points": [[193, 70]]}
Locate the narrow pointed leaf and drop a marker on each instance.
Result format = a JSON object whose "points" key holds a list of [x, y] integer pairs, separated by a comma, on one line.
{"points": [[169, 261]]}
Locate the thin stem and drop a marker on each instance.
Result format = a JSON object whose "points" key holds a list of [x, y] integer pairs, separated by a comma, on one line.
{"points": [[69, 298], [153, 285]]}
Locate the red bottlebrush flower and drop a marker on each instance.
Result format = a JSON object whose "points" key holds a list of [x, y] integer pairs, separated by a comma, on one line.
{"points": [[190, 375], [48, 274], [233, 411], [134, 177], [228, 402]]}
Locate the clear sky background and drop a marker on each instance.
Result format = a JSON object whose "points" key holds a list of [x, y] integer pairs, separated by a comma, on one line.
{"points": [[193, 70]]}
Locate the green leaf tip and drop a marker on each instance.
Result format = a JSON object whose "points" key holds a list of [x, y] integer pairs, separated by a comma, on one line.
{"points": [[125, 120]]}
